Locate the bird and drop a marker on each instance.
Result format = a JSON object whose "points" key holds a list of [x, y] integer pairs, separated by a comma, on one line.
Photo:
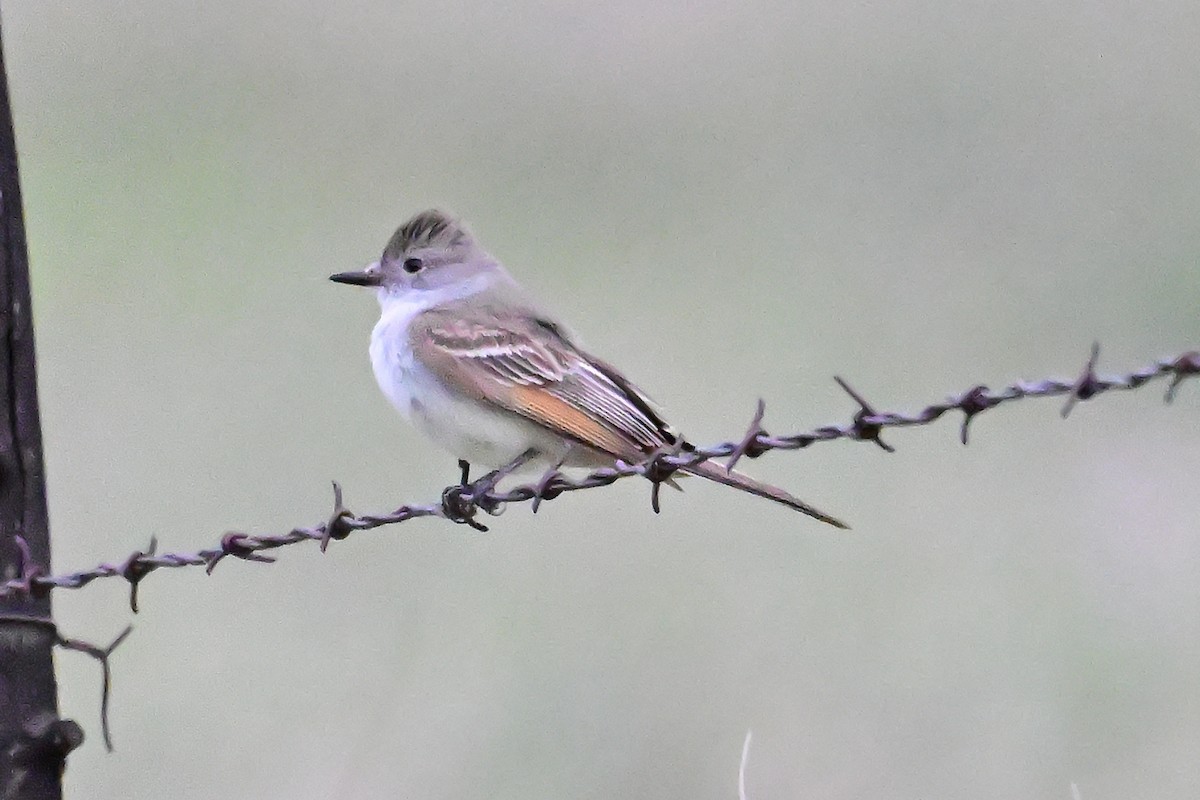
{"points": [[467, 355]]}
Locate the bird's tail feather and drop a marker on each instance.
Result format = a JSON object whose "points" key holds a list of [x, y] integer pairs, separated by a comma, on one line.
{"points": [[718, 473]]}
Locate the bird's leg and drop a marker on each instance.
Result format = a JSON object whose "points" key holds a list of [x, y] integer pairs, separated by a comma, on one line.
{"points": [[489, 481], [455, 498]]}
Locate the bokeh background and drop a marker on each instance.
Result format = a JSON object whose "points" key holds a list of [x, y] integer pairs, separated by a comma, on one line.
{"points": [[730, 200]]}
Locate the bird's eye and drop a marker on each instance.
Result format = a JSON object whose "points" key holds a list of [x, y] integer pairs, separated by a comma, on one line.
{"points": [[412, 265]]}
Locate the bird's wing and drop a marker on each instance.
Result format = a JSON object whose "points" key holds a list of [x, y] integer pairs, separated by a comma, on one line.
{"points": [[531, 367]]}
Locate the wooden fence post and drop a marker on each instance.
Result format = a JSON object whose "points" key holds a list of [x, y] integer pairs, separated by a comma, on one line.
{"points": [[34, 742]]}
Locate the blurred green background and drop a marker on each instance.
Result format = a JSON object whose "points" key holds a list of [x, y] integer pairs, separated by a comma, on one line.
{"points": [[730, 200]]}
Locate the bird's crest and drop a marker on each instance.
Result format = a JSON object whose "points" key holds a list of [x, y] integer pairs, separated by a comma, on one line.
{"points": [[433, 228]]}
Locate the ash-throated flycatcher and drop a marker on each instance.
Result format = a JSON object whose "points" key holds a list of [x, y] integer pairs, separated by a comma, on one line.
{"points": [[467, 356]]}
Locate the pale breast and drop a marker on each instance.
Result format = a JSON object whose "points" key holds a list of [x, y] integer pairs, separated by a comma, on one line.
{"points": [[393, 363], [466, 427]]}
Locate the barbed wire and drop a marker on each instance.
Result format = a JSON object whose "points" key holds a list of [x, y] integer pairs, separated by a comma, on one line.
{"points": [[461, 504], [102, 656]]}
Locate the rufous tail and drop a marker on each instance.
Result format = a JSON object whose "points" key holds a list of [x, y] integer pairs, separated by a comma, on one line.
{"points": [[716, 472]]}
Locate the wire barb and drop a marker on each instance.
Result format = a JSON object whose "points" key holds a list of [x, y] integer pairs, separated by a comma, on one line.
{"points": [[749, 445], [866, 428], [460, 504], [546, 488], [1187, 365], [1086, 385], [660, 468], [973, 402], [135, 569], [338, 526], [101, 654], [239, 545]]}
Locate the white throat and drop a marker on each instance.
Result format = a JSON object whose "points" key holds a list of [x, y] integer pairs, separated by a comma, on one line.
{"points": [[391, 354]]}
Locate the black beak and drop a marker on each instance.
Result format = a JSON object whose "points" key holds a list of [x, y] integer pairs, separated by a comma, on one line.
{"points": [[356, 278]]}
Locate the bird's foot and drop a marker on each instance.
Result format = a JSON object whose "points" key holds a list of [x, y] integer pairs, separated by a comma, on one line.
{"points": [[459, 504]]}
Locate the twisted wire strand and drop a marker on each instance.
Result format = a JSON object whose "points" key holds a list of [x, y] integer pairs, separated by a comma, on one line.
{"points": [[462, 504]]}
